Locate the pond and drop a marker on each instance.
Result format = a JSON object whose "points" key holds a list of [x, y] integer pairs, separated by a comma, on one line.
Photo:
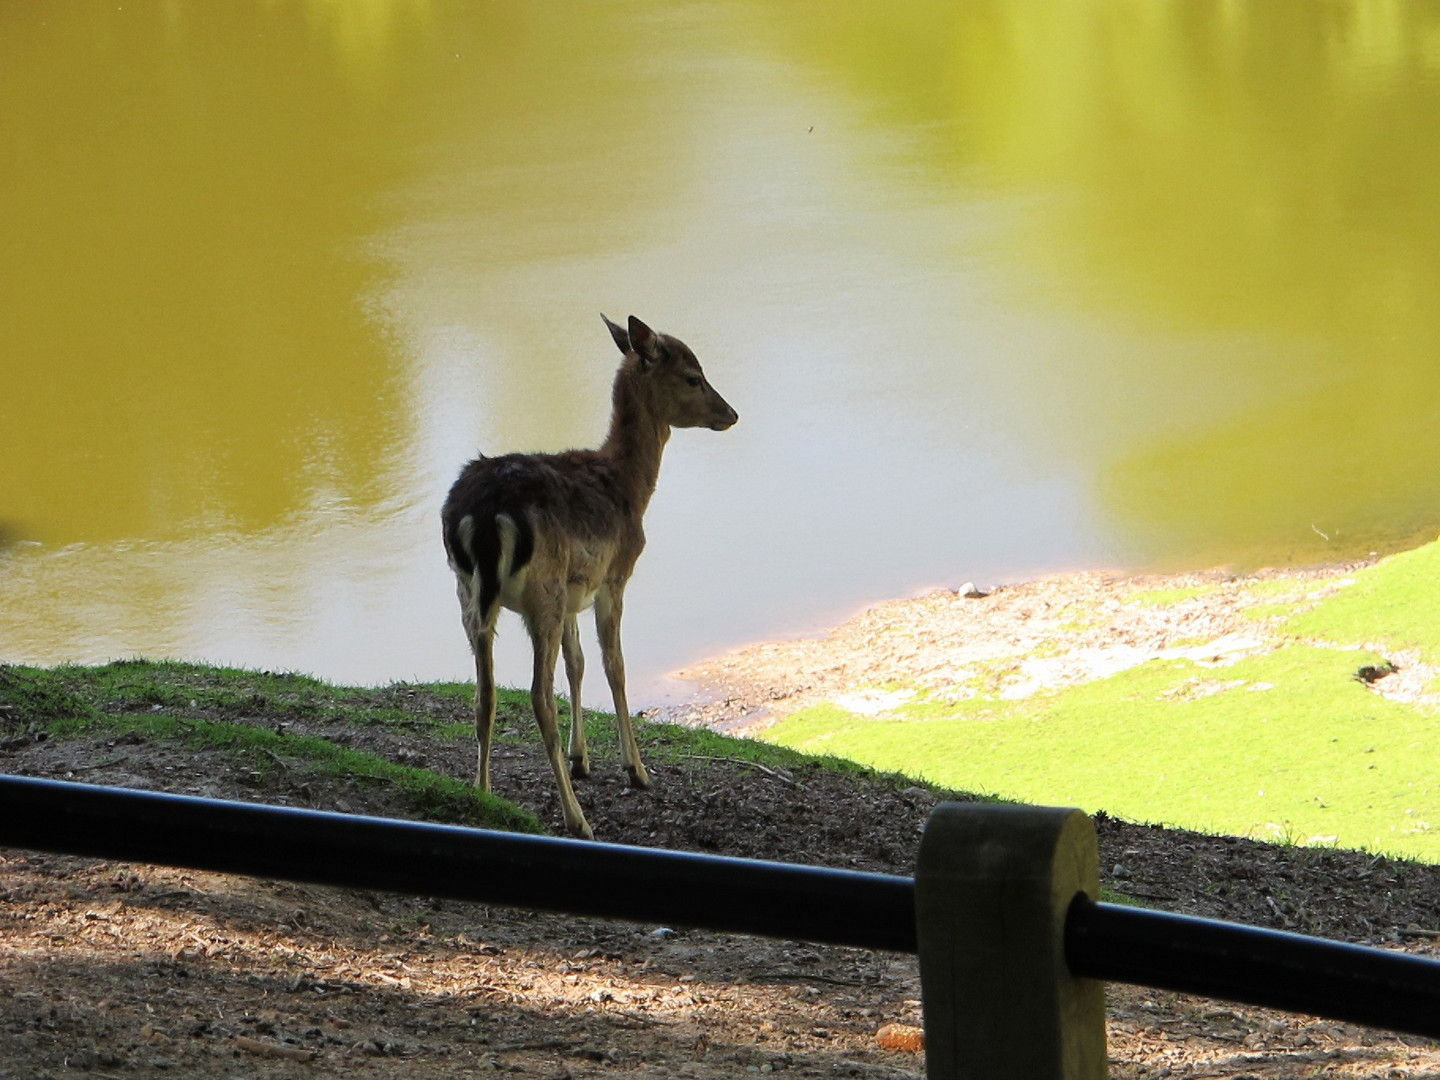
{"points": [[997, 289]]}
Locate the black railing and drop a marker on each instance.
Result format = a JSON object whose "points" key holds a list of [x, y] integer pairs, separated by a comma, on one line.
{"points": [[1247, 964], [875, 911], [803, 903]]}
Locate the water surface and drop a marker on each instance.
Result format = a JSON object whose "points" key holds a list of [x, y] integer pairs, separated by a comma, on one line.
{"points": [[996, 289]]}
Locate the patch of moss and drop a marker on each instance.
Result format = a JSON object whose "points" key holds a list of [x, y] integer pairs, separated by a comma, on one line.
{"points": [[988, 677], [1158, 598], [1267, 612]]}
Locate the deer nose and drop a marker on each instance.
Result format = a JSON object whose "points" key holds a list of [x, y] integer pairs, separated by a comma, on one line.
{"points": [[729, 420]]}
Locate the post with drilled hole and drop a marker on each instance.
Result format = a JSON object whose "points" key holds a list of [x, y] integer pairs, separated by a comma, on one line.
{"points": [[993, 884]]}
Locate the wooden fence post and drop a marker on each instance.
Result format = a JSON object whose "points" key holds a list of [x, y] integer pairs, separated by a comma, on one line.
{"points": [[992, 886]]}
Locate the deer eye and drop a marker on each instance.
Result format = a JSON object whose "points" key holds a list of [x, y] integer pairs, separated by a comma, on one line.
{"points": [[693, 380]]}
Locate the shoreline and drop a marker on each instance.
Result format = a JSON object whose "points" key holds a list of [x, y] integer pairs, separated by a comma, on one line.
{"points": [[1048, 633]]}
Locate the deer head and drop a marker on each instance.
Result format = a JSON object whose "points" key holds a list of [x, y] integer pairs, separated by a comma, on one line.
{"points": [[675, 384]]}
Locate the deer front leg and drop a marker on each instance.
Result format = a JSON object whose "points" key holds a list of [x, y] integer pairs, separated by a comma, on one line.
{"points": [[545, 635], [574, 671], [609, 605]]}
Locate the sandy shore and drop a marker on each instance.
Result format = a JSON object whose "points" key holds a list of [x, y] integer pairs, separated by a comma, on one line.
{"points": [[1013, 641]]}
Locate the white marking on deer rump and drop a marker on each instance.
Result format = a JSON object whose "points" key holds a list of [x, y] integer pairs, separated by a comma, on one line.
{"points": [[465, 533]]}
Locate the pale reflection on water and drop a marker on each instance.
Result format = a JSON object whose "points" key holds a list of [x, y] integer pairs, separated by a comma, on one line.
{"points": [[996, 290]]}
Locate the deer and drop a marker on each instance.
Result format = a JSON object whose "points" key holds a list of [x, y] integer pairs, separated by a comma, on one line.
{"points": [[551, 535]]}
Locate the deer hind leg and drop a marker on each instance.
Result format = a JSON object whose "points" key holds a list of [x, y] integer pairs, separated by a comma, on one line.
{"points": [[482, 645], [546, 632], [574, 671], [608, 607]]}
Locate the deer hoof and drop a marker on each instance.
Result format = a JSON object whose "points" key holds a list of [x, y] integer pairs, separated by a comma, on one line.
{"points": [[579, 768], [581, 829], [639, 778]]}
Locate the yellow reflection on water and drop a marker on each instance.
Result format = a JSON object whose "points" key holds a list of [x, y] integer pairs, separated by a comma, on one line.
{"points": [[259, 301], [181, 283], [1264, 175]]}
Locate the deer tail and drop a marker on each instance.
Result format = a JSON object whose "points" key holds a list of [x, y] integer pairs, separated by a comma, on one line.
{"points": [[490, 552]]}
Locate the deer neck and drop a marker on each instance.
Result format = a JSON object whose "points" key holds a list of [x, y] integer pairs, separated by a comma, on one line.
{"points": [[636, 440]]}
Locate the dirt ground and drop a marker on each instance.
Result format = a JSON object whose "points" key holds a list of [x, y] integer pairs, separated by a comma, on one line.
{"points": [[114, 970]]}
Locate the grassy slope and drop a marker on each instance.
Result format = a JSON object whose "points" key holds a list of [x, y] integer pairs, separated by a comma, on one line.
{"points": [[1287, 744], [200, 706], [188, 703]]}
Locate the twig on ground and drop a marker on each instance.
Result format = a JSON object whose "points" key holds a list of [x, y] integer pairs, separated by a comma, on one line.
{"points": [[269, 1049], [100, 764], [639, 1020], [486, 988], [870, 1067], [778, 774], [802, 976], [534, 1044], [1146, 895]]}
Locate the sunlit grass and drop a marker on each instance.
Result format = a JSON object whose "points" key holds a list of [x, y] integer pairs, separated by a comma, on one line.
{"points": [[1394, 604], [1287, 745], [1168, 597]]}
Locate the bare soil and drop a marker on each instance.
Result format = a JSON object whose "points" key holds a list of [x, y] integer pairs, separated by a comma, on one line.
{"points": [[117, 970]]}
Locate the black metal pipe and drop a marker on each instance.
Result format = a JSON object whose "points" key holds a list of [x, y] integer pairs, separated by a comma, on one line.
{"points": [[800, 903], [1252, 966], [1102, 941]]}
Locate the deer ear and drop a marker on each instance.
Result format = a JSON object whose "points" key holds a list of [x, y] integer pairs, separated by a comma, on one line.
{"points": [[644, 342], [622, 339]]}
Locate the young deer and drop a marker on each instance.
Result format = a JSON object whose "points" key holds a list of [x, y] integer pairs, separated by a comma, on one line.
{"points": [[548, 535]]}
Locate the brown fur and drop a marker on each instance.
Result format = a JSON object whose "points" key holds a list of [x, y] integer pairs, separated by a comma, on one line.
{"points": [[548, 535]]}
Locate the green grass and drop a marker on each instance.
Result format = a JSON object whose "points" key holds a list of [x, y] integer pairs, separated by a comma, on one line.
{"points": [[1268, 612], [1169, 597], [1316, 758], [1286, 745], [1395, 604], [165, 701], [235, 691]]}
